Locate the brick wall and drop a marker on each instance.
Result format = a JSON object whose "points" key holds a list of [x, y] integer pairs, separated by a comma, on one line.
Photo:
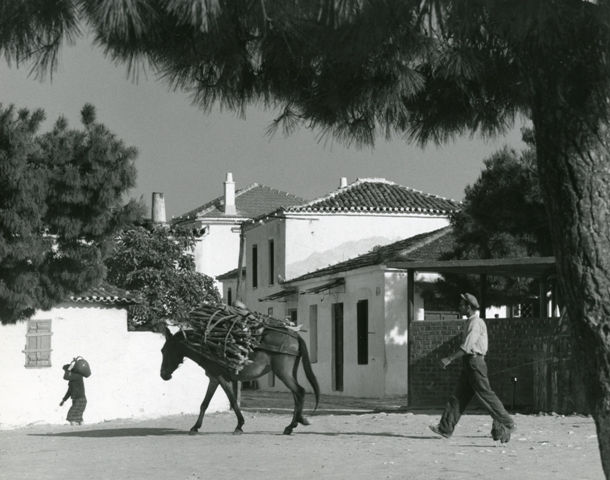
{"points": [[511, 354]]}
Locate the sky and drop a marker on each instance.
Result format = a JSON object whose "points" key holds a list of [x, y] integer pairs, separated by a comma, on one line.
{"points": [[185, 153]]}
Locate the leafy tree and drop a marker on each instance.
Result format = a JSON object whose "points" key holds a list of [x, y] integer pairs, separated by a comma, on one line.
{"points": [[425, 69], [158, 264], [502, 216], [61, 204]]}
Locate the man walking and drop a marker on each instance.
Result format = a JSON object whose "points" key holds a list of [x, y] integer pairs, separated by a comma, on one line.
{"points": [[473, 378]]}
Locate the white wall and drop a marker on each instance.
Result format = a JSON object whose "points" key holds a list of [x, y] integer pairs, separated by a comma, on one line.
{"points": [[367, 380], [364, 380], [386, 373], [501, 312], [224, 290], [396, 333], [273, 229], [327, 239], [217, 252], [125, 380]]}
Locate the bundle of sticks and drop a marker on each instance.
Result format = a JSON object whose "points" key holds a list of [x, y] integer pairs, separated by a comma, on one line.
{"points": [[225, 334]]}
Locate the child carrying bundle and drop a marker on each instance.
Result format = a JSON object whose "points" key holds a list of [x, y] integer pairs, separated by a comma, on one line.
{"points": [[75, 372]]}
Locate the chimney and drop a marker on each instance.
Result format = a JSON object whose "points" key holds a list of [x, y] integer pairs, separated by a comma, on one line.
{"points": [[230, 195], [158, 208], [343, 182]]}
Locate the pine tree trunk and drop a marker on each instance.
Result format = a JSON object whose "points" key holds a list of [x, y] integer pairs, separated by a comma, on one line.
{"points": [[574, 164]]}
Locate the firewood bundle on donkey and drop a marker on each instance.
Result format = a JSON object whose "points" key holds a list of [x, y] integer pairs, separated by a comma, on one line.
{"points": [[233, 344]]}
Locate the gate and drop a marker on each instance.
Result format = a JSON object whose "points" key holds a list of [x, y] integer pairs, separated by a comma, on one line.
{"points": [[558, 385]]}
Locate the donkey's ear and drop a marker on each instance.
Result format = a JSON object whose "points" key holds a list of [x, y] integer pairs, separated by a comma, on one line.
{"points": [[168, 334]]}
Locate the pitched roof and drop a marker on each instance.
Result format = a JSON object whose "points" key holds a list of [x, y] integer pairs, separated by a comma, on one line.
{"points": [[108, 294], [378, 195], [425, 246], [250, 202], [231, 274]]}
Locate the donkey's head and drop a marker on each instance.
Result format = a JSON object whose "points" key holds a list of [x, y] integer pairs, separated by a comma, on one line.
{"points": [[172, 354]]}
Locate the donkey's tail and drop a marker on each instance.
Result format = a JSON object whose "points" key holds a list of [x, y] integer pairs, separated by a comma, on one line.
{"points": [[311, 378]]}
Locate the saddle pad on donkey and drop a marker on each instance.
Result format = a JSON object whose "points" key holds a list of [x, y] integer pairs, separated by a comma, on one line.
{"points": [[279, 341]]}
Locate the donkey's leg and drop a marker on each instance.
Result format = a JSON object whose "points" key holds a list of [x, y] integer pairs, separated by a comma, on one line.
{"points": [[212, 386], [228, 388], [301, 419], [282, 367]]}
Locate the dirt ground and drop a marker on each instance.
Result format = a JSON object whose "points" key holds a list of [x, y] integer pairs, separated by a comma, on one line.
{"points": [[348, 438]]}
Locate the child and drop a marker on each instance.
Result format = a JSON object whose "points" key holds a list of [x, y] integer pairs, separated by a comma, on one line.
{"points": [[76, 390]]}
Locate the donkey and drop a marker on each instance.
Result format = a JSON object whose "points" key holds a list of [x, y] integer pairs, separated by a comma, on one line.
{"points": [[283, 365]]}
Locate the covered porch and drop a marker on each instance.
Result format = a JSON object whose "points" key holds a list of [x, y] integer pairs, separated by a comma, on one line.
{"points": [[520, 372], [541, 268]]}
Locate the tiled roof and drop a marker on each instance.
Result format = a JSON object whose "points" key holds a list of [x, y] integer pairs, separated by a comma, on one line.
{"points": [[231, 274], [250, 202], [378, 195], [425, 246], [106, 293]]}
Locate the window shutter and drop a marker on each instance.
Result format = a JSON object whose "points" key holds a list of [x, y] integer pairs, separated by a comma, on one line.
{"points": [[362, 317], [38, 344], [254, 266]]}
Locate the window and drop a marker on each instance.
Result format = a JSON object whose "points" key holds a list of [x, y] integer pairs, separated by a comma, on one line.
{"points": [[271, 262], [313, 333], [362, 313], [229, 296], [254, 266], [338, 346], [292, 314], [38, 344]]}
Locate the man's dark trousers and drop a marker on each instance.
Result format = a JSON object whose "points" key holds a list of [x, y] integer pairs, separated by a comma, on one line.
{"points": [[473, 380]]}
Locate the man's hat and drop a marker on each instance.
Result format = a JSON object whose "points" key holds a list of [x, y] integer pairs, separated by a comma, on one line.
{"points": [[470, 300]]}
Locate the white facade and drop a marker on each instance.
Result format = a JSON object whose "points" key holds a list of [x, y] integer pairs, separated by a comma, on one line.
{"points": [[125, 380], [314, 242], [304, 243], [217, 250], [228, 290], [385, 370], [218, 223], [291, 243]]}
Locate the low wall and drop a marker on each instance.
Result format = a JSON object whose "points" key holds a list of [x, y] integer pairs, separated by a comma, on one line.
{"points": [[511, 355], [125, 380]]}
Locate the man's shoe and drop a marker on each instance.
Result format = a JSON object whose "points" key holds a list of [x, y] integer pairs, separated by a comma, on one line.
{"points": [[502, 432], [437, 430]]}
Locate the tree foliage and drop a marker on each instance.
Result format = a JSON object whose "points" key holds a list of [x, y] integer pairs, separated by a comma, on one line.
{"points": [[158, 264], [502, 216], [61, 203]]}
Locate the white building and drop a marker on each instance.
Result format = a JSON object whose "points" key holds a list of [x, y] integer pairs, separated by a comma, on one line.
{"points": [[295, 240], [125, 380], [294, 260], [354, 316], [218, 223]]}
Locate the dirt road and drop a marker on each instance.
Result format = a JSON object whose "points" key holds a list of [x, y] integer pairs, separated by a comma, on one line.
{"points": [[353, 443]]}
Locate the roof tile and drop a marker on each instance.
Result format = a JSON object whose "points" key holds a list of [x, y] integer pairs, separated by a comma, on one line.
{"points": [[378, 195], [106, 293], [425, 246], [250, 202]]}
